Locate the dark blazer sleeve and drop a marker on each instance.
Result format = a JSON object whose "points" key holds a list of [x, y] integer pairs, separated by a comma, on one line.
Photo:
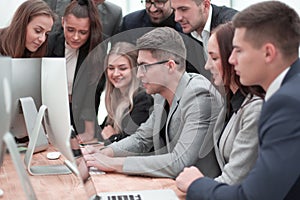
{"points": [[142, 107], [56, 44], [134, 20], [276, 174], [221, 15]]}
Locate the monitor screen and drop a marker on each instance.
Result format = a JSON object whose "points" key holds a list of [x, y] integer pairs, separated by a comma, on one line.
{"points": [[6, 139], [26, 82], [55, 98], [26, 100]]}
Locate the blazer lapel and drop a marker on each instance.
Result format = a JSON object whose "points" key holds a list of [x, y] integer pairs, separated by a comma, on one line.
{"points": [[226, 133], [185, 79], [158, 143], [295, 69], [217, 134], [224, 136]]}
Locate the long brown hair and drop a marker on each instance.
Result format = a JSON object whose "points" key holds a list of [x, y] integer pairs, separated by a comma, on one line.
{"points": [[13, 37], [224, 34], [118, 105]]}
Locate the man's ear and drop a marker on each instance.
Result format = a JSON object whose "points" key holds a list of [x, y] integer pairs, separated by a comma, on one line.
{"points": [[270, 52], [172, 65], [206, 4]]}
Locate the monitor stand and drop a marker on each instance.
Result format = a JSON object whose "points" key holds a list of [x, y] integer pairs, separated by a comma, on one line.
{"points": [[16, 158], [30, 112], [46, 169]]}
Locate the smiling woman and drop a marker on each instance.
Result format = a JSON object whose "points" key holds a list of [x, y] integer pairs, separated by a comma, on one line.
{"points": [[33, 20], [126, 102]]}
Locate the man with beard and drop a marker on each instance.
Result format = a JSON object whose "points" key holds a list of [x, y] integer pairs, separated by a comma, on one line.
{"points": [[157, 13]]}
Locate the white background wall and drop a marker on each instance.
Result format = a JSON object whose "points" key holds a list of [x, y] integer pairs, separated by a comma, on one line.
{"points": [[8, 7]]}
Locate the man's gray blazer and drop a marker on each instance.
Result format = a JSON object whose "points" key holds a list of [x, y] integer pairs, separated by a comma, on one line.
{"points": [[189, 131]]}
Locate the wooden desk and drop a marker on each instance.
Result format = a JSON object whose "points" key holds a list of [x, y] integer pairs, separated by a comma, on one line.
{"points": [[112, 182], [55, 187], [69, 187]]}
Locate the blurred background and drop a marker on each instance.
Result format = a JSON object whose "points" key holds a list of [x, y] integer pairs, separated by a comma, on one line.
{"points": [[9, 6]]}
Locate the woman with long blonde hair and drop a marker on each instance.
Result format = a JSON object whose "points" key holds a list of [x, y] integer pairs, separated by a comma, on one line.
{"points": [[126, 102]]}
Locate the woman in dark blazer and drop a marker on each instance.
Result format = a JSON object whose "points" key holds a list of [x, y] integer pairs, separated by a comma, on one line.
{"points": [[81, 33], [127, 104]]}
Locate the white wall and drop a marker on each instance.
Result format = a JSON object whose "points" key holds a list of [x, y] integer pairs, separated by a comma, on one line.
{"points": [[7, 10], [239, 5]]}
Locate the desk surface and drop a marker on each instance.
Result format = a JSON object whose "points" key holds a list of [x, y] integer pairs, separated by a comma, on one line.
{"points": [[69, 187]]}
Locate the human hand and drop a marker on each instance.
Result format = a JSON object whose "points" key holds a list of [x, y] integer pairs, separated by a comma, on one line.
{"points": [[85, 137], [107, 132], [187, 177], [100, 161], [89, 149], [88, 134], [81, 165]]}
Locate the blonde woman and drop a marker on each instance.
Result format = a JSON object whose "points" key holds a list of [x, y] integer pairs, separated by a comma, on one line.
{"points": [[126, 102]]}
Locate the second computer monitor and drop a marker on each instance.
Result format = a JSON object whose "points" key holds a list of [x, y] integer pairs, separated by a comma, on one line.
{"points": [[55, 98], [26, 100], [5, 103], [26, 82]]}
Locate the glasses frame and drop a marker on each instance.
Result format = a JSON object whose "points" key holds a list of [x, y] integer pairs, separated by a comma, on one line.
{"points": [[144, 67], [150, 3]]}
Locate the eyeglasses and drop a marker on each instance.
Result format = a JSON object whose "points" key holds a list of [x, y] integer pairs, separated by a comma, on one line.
{"points": [[157, 4], [144, 67]]}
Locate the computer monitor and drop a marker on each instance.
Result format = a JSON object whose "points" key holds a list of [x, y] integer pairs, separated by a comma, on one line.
{"points": [[5, 103], [56, 115], [6, 139], [26, 98]]}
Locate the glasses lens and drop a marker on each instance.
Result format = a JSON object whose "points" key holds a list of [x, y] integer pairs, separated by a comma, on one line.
{"points": [[142, 68], [157, 4]]}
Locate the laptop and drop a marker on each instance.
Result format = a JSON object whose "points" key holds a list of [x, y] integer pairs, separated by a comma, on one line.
{"points": [[85, 172], [164, 194]]}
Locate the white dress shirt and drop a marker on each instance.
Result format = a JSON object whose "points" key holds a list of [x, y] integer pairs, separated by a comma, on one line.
{"points": [[205, 34], [275, 85], [71, 61]]}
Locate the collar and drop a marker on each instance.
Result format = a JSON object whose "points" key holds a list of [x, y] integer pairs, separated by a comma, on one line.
{"points": [[275, 85], [206, 26], [237, 100], [182, 84]]}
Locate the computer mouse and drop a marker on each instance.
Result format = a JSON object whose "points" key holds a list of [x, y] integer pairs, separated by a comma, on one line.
{"points": [[53, 155]]}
